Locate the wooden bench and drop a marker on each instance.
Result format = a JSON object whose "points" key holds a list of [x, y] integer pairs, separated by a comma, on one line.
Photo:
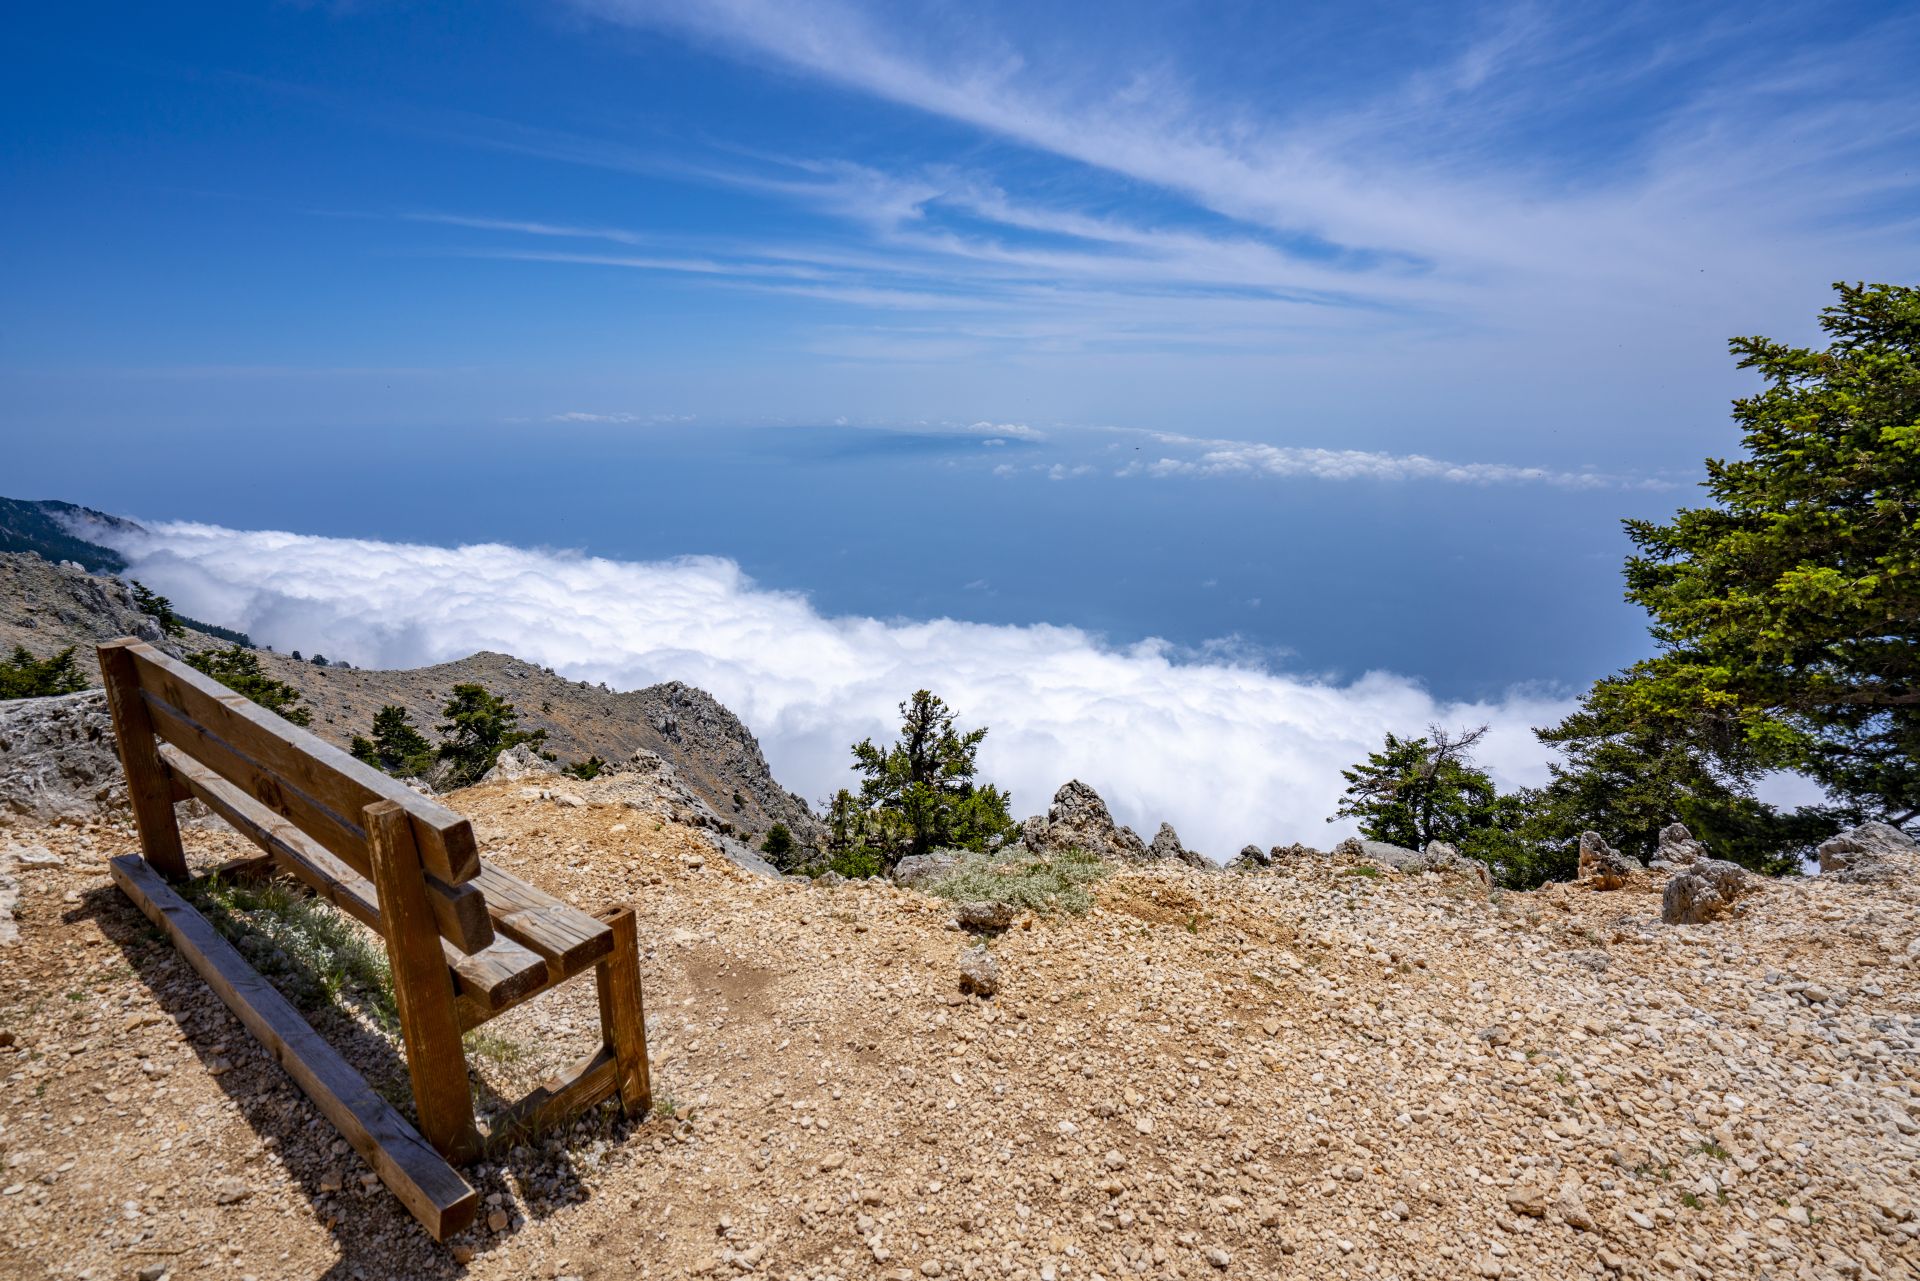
{"points": [[465, 941]]}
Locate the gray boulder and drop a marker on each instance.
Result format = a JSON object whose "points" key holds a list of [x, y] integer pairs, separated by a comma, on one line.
{"points": [[58, 763], [1703, 892], [1678, 848], [917, 871], [984, 914], [1869, 852], [1602, 867], [1397, 857], [979, 972], [520, 762], [1079, 820], [1251, 858]]}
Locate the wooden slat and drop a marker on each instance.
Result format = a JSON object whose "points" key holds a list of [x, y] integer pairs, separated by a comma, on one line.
{"points": [[436, 1059], [498, 976], [326, 777], [431, 1189], [623, 1018], [460, 911], [197, 743], [147, 787], [561, 1098], [568, 938]]}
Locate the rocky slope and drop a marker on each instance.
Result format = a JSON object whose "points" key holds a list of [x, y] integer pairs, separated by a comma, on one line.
{"points": [[46, 607], [1325, 1069], [711, 750]]}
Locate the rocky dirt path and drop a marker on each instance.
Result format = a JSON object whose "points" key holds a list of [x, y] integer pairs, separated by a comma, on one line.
{"points": [[1314, 1072]]}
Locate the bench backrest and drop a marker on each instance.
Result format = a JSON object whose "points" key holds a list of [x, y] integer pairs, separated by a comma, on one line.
{"points": [[319, 789]]}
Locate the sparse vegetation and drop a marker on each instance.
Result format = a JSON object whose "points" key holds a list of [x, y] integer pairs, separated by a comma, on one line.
{"points": [[919, 793], [1055, 883], [24, 676], [316, 956], [590, 768], [239, 670], [779, 843], [158, 608], [480, 725], [397, 746]]}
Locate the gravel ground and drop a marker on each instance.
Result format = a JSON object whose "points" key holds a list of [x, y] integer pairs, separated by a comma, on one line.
{"points": [[1321, 1071]]}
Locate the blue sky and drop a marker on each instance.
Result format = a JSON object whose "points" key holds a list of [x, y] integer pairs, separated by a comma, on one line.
{"points": [[1330, 339]]}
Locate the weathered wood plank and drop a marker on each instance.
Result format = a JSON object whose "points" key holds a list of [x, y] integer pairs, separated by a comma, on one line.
{"points": [[148, 790], [459, 911], [623, 1015], [560, 1099], [568, 938], [436, 1060], [327, 777], [430, 1188]]}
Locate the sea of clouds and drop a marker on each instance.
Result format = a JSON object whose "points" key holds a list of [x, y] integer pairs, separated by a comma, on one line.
{"points": [[1228, 751]]}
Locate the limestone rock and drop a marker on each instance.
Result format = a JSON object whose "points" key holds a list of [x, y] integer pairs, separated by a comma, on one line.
{"points": [[1167, 847], [984, 914], [979, 972], [1702, 893], [1677, 847], [1601, 866], [518, 762], [1250, 858], [58, 763], [1869, 852], [1079, 820], [917, 871]]}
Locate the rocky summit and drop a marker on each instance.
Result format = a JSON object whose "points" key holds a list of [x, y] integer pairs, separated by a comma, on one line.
{"points": [[1356, 1064]]}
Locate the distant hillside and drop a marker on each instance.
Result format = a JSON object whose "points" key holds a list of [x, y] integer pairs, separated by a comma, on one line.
{"points": [[42, 527], [714, 753]]}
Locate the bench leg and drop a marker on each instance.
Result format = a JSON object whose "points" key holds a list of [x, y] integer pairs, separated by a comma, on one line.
{"points": [[623, 1015], [149, 788], [422, 986]]}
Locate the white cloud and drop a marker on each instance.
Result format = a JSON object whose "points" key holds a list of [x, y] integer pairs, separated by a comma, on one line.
{"points": [[1249, 458], [582, 416], [1228, 751]]}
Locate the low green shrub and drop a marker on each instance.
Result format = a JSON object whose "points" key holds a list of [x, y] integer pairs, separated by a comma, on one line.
{"points": [[1050, 883]]}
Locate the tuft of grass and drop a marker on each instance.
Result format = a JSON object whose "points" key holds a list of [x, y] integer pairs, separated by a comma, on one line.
{"points": [[1360, 870], [1055, 883], [666, 1107], [318, 956], [1712, 1149], [493, 1046], [1689, 1200]]}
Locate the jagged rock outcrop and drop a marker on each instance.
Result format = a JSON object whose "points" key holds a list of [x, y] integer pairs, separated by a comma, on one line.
{"points": [[46, 607], [58, 763], [1079, 820], [520, 762], [1285, 853], [1869, 852], [1251, 858], [1166, 846], [1602, 867], [1702, 892], [1678, 848]]}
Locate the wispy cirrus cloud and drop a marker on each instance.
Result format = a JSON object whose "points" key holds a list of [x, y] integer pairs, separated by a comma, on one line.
{"points": [[1252, 458]]}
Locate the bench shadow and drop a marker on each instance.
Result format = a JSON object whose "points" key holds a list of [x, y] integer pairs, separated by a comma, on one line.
{"points": [[355, 1215]]}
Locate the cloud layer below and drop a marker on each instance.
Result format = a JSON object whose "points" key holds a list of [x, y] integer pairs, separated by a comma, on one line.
{"points": [[1228, 752]]}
